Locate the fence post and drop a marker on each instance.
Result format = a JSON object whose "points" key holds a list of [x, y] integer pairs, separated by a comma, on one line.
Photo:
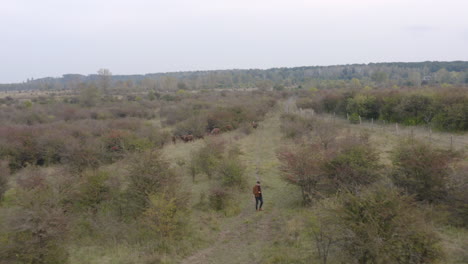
{"points": [[372, 121], [347, 116], [360, 121], [430, 135], [396, 128], [451, 143]]}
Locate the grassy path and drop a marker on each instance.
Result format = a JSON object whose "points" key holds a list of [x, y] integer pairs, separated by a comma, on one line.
{"points": [[242, 238]]}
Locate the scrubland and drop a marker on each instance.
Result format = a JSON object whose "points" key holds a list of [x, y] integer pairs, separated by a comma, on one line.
{"points": [[96, 178]]}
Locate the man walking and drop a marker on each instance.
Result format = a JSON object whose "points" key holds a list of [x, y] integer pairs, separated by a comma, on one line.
{"points": [[257, 191]]}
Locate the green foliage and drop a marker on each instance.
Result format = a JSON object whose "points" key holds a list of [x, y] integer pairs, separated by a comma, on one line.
{"points": [[34, 229], [232, 172], [162, 215], [4, 175], [149, 173], [89, 96], [207, 158], [92, 190], [365, 106], [354, 166], [354, 118], [457, 199], [380, 226], [421, 170]]}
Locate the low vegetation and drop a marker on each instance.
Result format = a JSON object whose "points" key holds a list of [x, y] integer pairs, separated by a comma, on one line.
{"points": [[111, 174]]}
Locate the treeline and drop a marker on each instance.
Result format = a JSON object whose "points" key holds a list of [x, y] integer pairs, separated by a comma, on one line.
{"points": [[441, 108], [339, 76]]}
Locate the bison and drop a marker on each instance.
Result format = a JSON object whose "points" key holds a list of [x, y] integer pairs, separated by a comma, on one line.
{"points": [[186, 138], [215, 131], [254, 124]]}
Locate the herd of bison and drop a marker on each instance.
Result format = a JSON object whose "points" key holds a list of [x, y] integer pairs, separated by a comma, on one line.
{"points": [[215, 131]]}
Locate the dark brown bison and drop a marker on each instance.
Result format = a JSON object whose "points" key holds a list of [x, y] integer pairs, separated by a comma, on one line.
{"points": [[254, 124], [215, 131], [186, 138], [174, 139]]}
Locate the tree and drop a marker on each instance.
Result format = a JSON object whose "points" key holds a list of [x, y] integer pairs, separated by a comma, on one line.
{"points": [[414, 78], [104, 79], [89, 95], [356, 84]]}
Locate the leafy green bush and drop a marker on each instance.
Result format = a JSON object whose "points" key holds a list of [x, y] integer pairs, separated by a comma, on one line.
{"points": [[353, 167], [163, 216], [149, 173], [92, 190], [421, 170], [232, 172], [207, 158], [381, 226]]}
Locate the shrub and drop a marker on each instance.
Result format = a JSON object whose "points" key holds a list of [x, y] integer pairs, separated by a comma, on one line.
{"points": [[457, 199], [421, 170], [232, 172], [218, 198], [4, 175], [149, 173], [353, 167], [92, 190], [354, 118], [208, 157], [34, 230], [320, 172], [295, 126], [325, 131], [381, 226], [162, 215], [302, 166]]}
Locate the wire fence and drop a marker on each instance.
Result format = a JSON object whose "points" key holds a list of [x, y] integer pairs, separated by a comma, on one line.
{"points": [[443, 140]]}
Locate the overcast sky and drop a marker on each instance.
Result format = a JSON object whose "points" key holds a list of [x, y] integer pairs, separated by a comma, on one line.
{"points": [[40, 38]]}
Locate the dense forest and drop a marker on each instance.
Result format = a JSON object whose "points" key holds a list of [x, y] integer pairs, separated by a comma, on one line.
{"points": [[321, 77]]}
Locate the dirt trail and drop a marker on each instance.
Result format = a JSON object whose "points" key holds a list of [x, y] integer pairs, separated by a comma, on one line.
{"points": [[242, 238]]}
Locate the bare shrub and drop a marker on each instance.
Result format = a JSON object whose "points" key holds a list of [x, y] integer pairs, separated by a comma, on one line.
{"points": [[321, 172], [295, 126], [218, 198], [325, 131]]}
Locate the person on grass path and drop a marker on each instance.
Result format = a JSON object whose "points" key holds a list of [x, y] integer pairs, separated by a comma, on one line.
{"points": [[257, 191]]}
